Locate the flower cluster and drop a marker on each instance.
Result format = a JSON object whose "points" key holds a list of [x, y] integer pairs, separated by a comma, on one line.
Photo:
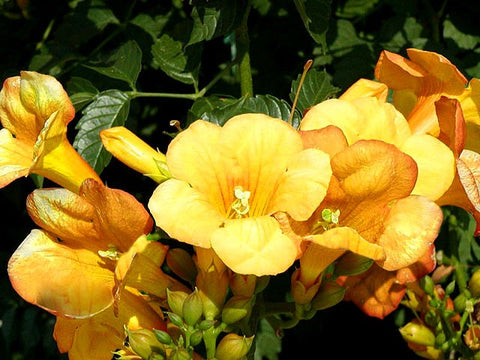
{"points": [[348, 205]]}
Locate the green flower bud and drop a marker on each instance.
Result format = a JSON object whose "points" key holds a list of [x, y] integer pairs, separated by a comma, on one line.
{"points": [[196, 338], [427, 284], [175, 301], [419, 334], [192, 308], [182, 264], [175, 319], [236, 308], [163, 336], [233, 347], [144, 343], [206, 324], [180, 354]]}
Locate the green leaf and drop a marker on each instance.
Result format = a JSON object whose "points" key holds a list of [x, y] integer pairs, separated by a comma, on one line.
{"points": [[329, 294], [462, 40], [268, 344], [179, 63], [315, 15], [265, 104], [109, 108], [151, 25], [316, 88], [215, 18], [354, 8], [206, 104], [81, 91], [352, 264], [125, 64], [86, 20]]}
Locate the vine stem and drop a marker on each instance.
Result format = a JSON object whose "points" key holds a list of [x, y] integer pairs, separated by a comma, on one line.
{"points": [[243, 46]]}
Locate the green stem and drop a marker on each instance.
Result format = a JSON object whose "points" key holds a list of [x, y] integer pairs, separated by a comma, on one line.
{"points": [[137, 94], [243, 47]]}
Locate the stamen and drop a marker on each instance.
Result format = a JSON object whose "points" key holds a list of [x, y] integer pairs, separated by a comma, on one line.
{"points": [[241, 206], [330, 220], [111, 253]]}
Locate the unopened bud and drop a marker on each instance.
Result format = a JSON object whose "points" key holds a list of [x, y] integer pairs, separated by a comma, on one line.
{"points": [[236, 308], [181, 263], [144, 343], [474, 284], [419, 334], [175, 319], [192, 308], [175, 300], [243, 285], [196, 338], [163, 336], [233, 347], [180, 354], [301, 294]]}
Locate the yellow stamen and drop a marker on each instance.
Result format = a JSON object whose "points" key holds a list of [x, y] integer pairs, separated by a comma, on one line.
{"points": [[240, 206]]}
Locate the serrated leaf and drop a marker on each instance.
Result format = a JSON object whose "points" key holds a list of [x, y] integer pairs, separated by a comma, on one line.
{"points": [[179, 63], [215, 18], [152, 25], [265, 104], [315, 15], [206, 104], [109, 108], [268, 345], [316, 88], [125, 64]]}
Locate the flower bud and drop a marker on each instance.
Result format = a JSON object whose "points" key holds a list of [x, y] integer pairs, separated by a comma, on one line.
{"points": [[192, 308], [144, 343], [236, 308], [233, 347], [301, 294], [243, 285], [175, 300], [181, 263], [135, 153], [163, 336], [474, 284], [180, 354], [419, 334], [196, 338]]}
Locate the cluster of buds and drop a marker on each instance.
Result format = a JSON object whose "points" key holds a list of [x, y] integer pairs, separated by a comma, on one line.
{"points": [[444, 324]]}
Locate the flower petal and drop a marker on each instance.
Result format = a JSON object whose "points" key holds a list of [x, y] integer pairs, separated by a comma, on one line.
{"points": [[436, 165], [425, 265], [15, 158], [184, 213], [376, 291], [120, 218], [366, 88], [360, 119], [411, 226], [329, 139], [64, 281], [470, 102], [68, 216], [346, 238], [308, 172], [254, 246], [452, 124]]}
